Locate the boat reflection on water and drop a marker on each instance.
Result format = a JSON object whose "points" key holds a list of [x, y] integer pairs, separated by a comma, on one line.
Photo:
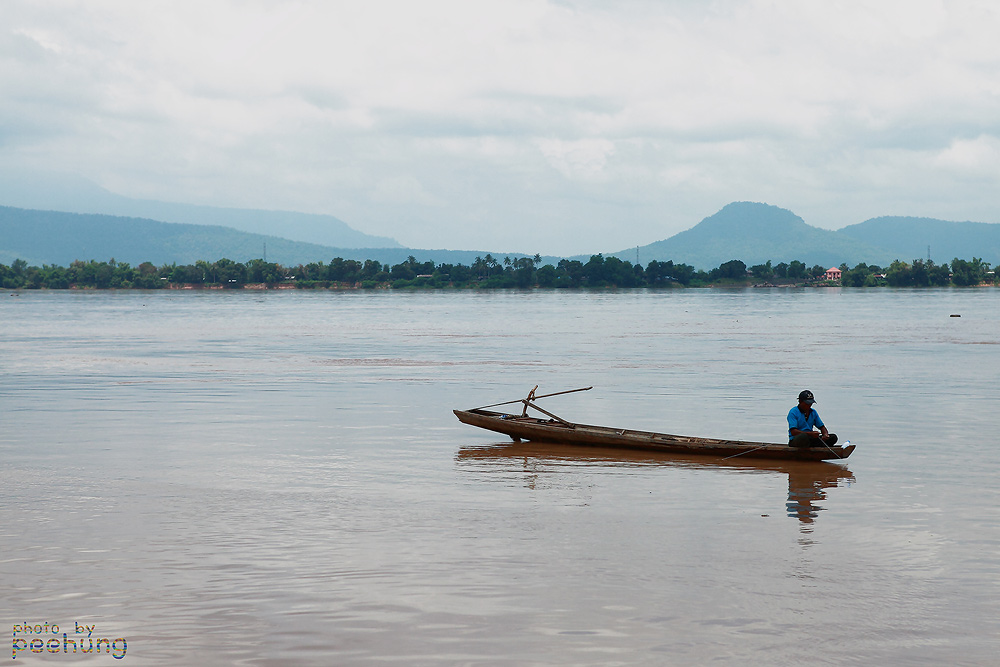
{"points": [[807, 480]]}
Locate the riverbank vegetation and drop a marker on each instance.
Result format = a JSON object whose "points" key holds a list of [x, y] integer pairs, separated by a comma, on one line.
{"points": [[485, 273]]}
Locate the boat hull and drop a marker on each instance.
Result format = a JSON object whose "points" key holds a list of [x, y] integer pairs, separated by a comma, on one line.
{"points": [[520, 427]]}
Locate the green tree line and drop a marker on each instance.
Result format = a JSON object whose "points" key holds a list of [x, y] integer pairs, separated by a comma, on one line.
{"points": [[485, 272]]}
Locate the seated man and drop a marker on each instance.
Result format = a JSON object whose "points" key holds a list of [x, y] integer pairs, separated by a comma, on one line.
{"points": [[801, 420]]}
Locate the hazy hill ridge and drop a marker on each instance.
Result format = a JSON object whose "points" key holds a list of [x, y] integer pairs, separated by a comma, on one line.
{"points": [[73, 194], [751, 232], [755, 233], [912, 238], [55, 237]]}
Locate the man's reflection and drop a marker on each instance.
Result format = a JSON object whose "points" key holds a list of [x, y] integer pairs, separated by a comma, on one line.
{"points": [[806, 484]]}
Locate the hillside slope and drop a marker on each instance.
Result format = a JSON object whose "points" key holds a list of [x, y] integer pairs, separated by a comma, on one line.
{"points": [[73, 194], [910, 238], [755, 233], [54, 237]]}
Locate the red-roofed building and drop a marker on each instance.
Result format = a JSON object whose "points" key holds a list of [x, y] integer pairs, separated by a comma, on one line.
{"points": [[833, 273]]}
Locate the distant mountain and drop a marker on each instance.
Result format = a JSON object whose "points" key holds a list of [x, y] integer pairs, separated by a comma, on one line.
{"points": [[755, 233], [913, 238], [55, 237], [73, 194], [748, 231]]}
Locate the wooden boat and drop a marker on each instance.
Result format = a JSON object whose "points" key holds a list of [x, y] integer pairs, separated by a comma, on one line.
{"points": [[552, 428]]}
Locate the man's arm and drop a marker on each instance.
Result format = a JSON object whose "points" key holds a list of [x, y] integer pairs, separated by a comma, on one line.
{"points": [[822, 432]]}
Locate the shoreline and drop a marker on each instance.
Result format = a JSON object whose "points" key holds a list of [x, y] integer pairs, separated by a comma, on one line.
{"points": [[345, 287]]}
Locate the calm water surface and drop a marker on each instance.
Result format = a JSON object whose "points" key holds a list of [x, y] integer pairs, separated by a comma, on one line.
{"points": [[276, 478]]}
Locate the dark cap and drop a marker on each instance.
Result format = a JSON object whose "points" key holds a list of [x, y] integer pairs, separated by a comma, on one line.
{"points": [[806, 397]]}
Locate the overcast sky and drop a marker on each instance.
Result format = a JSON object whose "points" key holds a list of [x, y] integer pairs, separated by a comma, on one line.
{"points": [[556, 127]]}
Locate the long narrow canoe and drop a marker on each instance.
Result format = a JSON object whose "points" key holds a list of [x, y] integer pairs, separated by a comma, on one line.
{"points": [[526, 427]]}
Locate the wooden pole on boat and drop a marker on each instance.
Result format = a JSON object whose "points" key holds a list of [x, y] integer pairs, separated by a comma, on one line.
{"points": [[527, 401], [556, 417], [559, 393], [521, 400]]}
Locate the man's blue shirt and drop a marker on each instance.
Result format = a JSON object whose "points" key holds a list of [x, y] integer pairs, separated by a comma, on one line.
{"points": [[798, 420]]}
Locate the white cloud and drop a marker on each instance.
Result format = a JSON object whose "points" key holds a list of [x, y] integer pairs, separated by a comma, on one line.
{"points": [[584, 158], [978, 156], [406, 190], [557, 127]]}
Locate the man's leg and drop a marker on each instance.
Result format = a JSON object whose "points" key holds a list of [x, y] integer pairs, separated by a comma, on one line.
{"points": [[802, 440]]}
